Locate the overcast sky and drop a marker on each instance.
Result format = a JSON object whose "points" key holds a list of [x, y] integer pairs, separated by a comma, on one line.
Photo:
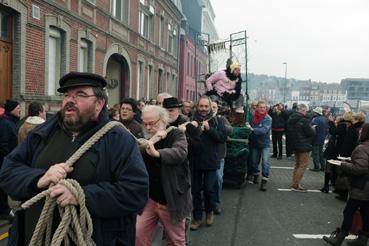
{"points": [[322, 40]]}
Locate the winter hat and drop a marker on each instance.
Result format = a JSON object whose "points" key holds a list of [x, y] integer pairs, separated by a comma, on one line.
{"points": [[10, 105], [318, 110], [234, 66]]}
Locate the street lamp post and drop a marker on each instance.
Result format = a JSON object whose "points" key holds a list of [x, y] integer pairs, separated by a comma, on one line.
{"points": [[202, 42], [285, 82]]}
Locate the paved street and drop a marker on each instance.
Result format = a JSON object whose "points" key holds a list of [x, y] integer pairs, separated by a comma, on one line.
{"points": [[255, 218], [271, 218]]}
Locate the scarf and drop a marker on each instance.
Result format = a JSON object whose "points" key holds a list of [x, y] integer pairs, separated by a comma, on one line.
{"points": [[257, 118], [199, 118]]}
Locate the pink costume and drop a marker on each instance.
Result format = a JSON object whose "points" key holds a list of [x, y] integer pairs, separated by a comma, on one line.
{"points": [[221, 83]]}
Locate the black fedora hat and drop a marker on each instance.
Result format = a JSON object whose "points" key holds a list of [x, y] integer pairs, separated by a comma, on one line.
{"points": [[74, 79], [172, 102]]}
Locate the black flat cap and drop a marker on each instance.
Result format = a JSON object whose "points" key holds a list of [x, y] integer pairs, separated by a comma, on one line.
{"points": [[172, 102], [74, 79]]}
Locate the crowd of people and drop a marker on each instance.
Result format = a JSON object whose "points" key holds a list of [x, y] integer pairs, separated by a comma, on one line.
{"points": [[175, 177], [338, 146]]}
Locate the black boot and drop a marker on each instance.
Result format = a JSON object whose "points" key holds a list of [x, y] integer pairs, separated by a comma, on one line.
{"points": [[336, 238], [256, 179], [342, 196], [325, 188], [362, 239], [263, 185]]}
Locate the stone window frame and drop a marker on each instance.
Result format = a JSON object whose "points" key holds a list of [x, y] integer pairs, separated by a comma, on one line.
{"points": [[125, 10], [167, 79], [160, 79], [91, 41], [140, 76], [170, 38], [149, 79], [161, 30], [149, 12], [58, 23], [19, 49]]}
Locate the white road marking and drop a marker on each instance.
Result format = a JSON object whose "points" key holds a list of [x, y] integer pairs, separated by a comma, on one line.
{"points": [[318, 236], [275, 167], [312, 191]]}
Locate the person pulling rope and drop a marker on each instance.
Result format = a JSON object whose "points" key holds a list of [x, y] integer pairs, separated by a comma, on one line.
{"points": [[73, 226]]}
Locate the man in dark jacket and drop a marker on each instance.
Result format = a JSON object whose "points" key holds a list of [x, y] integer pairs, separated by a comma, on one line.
{"points": [[111, 173], [320, 123], [222, 154], [288, 113], [8, 141], [170, 194], [279, 118], [301, 134], [128, 111], [205, 158]]}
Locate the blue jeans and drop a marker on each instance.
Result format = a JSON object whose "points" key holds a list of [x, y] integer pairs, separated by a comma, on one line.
{"points": [[219, 187], [256, 155], [318, 158], [203, 180]]}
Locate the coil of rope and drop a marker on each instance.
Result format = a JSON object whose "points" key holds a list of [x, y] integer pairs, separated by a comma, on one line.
{"points": [[74, 226]]}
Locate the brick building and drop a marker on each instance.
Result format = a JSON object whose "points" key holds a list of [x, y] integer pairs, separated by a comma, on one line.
{"points": [[192, 69], [133, 43]]}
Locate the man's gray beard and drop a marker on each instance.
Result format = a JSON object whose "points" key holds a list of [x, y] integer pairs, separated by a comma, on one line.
{"points": [[170, 120], [147, 135]]}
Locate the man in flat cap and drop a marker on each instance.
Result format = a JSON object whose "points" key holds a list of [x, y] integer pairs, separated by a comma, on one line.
{"points": [[111, 173], [8, 141]]}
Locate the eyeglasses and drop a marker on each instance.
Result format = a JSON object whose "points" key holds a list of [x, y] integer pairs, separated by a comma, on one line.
{"points": [[151, 124], [77, 97]]}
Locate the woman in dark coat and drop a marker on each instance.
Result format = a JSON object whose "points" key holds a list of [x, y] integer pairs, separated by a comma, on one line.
{"points": [[350, 141], [358, 172], [337, 132]]}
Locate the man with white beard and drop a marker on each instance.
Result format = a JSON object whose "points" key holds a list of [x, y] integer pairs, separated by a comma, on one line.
{"points": [[166, 161], [173, 106]]}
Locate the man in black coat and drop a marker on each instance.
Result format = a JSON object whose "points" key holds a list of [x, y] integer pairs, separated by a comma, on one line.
{"points": [[8, 141], [111, 173], [128, 111], [205, 160], [279, 118], [301, 134]]}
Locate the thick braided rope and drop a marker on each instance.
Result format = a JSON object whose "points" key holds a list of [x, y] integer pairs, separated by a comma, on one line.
{"points": [[78, 228]]}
